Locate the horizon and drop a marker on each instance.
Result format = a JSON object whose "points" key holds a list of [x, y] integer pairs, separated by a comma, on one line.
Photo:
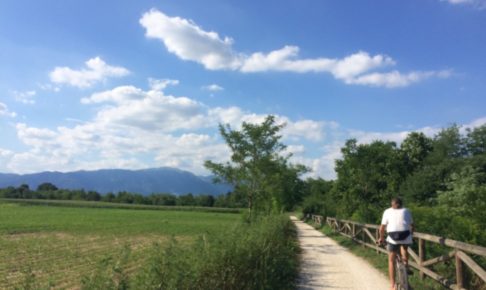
{"points": [[144, 85]]}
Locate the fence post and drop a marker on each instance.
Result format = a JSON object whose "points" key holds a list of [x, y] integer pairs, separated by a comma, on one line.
{"points": [[421, 249], [363, 237], [459, 273], [377, 237]]}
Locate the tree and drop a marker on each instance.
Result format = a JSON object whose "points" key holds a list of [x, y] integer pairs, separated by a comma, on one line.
{"points": [[414, 149], [368, 175], [466, 194], [476, 140], [46, 186], [257, 167], [446, 157]]}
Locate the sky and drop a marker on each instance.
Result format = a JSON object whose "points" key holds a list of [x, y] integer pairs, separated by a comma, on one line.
{"points": [[88, 84]]}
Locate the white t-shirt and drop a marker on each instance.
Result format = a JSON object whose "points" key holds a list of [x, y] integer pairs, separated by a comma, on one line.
{"points": [[397, 220]]}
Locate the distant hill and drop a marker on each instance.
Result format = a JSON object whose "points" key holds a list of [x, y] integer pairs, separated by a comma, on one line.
{"points": [[146, 181]]}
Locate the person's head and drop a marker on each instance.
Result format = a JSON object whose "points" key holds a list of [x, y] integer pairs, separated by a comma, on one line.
{"points": [[396, 202]]}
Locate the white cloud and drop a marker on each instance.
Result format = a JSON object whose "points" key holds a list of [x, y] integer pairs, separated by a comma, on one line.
{"points": [[135, 128], [26, 97], [4, 111], [96, 71], [285, 59], [476, 123], [307, 129], [396, 79], [135, 107], [159, 85], [213, 88], [188, 41]]}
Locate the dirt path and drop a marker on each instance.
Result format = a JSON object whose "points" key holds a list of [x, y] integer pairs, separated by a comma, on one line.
{"points": [[327, 265]]}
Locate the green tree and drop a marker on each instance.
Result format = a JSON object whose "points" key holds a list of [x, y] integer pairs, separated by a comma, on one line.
{"points": [[368, 175], [257, 167], [414, 149], [476, 140], [46, 186], [466, 194]]}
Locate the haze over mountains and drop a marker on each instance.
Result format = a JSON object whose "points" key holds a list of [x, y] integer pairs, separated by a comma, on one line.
{"points": [[145, 181]]}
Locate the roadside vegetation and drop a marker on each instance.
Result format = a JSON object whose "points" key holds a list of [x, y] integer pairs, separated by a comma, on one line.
{"points": [[261, 255]]}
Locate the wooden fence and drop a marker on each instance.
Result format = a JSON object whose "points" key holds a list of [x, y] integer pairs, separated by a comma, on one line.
{"points": [[459, 252]]}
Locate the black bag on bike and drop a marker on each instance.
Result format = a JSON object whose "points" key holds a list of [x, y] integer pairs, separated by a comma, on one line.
{"points": [[399, 236]]}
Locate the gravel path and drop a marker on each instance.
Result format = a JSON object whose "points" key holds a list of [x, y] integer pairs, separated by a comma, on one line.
{"points": [[327, 265]]}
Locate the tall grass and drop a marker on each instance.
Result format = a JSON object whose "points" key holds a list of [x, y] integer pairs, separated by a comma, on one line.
{"points": [[257, 255]]}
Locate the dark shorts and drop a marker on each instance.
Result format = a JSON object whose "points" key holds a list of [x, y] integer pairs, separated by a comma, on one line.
{"points": [[395, 248]]}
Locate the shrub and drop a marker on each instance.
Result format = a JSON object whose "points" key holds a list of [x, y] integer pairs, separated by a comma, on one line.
{"points": [[257, 255]]}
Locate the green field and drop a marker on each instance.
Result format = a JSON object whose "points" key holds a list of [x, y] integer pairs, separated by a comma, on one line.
{"points": [[57, 245]]}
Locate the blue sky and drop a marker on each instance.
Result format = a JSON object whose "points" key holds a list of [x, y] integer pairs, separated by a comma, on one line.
{"points": [[136, 84]]}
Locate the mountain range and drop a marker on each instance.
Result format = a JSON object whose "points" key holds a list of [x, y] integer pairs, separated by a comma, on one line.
{"points": [[145, 181]]}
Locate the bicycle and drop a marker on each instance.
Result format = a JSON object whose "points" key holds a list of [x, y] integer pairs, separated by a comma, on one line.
{"points": [[401, 272]]}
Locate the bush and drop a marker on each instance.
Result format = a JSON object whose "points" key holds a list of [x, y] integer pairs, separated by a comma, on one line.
{"points": [[257, 255], [318, 204]]}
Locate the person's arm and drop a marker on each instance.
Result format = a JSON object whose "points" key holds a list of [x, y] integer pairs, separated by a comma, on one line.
{"points": [[381, 240], [384, 222]]}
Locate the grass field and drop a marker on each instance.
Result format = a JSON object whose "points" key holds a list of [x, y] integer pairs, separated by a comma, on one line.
{"points": [[57, 245]]}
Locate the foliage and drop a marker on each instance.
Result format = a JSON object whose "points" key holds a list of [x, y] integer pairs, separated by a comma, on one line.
{"points": [[319, 200], [442, 179], [262, 255], [258, 168]]}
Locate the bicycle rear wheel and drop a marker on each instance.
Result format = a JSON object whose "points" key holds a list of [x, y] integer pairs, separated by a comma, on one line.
{"points": [[401, 276]]}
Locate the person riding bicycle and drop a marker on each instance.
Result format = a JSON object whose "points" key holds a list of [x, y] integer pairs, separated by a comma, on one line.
{"points": [[398, 223]]}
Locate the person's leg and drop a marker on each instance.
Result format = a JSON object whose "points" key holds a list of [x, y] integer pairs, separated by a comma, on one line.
{"points": [[404, 252], [391, 268]]}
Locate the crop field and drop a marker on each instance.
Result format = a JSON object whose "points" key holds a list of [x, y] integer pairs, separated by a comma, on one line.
{"points": [[56, 246]]}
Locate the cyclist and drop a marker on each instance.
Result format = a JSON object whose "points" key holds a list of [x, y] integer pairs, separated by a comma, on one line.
{"points": [[398, 223]]}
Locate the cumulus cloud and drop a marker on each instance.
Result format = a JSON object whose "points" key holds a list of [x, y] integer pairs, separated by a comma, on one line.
{"points": [[133, 106], [396, 79], [140, 128], [4, 111], [188, 41], [136, 128], [213, 88], [96, 71]]}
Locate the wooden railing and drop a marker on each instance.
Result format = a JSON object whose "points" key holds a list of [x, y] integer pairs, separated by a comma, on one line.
{"points": [[459, 252]]}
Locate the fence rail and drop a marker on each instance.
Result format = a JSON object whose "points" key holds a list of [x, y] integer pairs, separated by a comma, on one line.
{"points": [[460, 252]]}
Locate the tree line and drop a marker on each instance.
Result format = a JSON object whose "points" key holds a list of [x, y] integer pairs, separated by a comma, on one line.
{"points": [[50, 191]]}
